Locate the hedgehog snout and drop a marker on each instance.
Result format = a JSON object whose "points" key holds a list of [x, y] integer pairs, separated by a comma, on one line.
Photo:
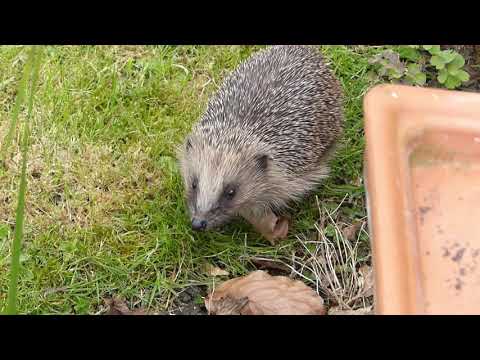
{"points": [[199, 224]]}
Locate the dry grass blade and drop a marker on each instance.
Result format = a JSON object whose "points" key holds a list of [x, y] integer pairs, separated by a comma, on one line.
{"points": [[332, 263], [335, 264]]}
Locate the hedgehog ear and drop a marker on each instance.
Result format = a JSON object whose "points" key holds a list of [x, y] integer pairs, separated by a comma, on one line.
{"points": [[188, 144], [262, 161]]}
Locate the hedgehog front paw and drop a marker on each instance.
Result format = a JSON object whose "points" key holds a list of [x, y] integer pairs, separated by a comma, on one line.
{"points": [[279, 230], [269, 225]]}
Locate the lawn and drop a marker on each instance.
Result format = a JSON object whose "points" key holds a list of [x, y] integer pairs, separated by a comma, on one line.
{"points": [[105, 208]]}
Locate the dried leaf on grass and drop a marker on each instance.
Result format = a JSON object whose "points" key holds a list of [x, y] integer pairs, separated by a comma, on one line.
{"points": [[350, 232], [262, 294], [269, 264], [367, 280], [212, 270], [228, 305], [117, 306]]}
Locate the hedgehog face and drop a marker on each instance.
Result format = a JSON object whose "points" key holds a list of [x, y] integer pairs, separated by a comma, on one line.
{"points": [[219, 183], [212, 207]]}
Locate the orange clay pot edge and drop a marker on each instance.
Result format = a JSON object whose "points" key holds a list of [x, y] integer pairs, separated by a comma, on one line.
{"points": [[394, 117]]}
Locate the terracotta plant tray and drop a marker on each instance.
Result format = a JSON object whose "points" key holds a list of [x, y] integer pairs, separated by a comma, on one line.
{"points": [[422, 179]]}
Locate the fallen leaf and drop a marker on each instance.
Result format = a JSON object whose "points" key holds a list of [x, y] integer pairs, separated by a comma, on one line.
{"points": [[358, 181], [337, 310], [230, 306], [367, 279], [262, 294], [270, 264], [116, 306], [350, 232], [212, 270]]}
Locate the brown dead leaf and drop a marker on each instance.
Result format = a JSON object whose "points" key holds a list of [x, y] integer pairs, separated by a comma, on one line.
{"points": [[270, 264], [116, 306], [358, 181], [367, 279], [337, 310], [212, 270], [230, 306], [350, 232], [262, 294]]}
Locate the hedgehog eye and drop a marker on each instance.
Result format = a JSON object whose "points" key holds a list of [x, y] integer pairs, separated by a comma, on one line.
{"points": [[230, 193]]}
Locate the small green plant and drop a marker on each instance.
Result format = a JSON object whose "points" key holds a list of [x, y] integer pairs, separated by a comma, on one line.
{"points": [[414, 64], [388, 65], [449, 65]]}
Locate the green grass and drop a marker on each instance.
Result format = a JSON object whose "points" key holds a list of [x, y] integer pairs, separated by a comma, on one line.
{"points": [[105, 209], [30, 73]]}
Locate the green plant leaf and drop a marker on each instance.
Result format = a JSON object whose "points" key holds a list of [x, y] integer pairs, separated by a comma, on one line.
{"points": [[442, 76], [447, 56], [372, 75], [375, 59], [452, 82], [395, 73], [383, 62], [413, 69], [457, 62], [432, 49], [330, 230], [391, 56], [382, 71], [438, 62], [463, 76], [452, 71], [420, 79], [389, 65], [409, 53]]}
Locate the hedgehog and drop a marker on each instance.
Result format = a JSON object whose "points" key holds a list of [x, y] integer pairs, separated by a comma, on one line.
{"points": [[263, 142]]}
